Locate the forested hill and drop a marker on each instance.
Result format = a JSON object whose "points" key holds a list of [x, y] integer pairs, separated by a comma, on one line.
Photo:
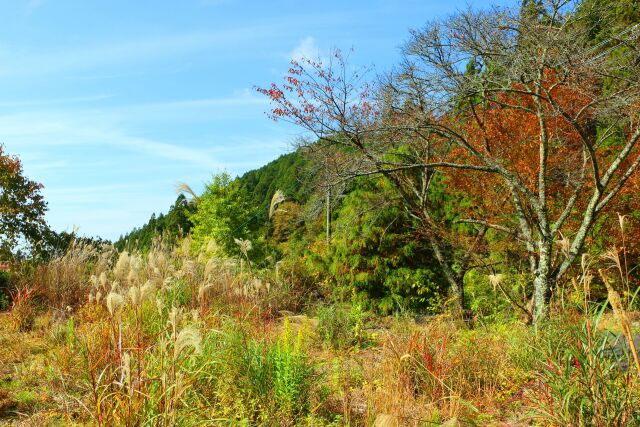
{"points": [[173, 224], [284, 173]]}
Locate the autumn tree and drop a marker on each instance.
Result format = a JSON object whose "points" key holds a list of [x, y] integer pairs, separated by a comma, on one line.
{"points": [[575, 144], [356, 135], [22, 206], [519, 103]]}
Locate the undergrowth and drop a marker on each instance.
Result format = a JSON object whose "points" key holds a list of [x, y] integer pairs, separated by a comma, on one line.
{"points": [[172, 337]]}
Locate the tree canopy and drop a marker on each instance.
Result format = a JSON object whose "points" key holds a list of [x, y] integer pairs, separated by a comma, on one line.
{"points": [[22, 206]]}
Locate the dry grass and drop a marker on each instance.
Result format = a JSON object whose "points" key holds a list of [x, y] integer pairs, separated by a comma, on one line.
{"points": [[175, 338]]}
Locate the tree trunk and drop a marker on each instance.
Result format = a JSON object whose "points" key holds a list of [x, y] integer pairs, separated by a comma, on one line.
{"points": [[543, 282], [328, 215], [456, 280], [540, 291]]}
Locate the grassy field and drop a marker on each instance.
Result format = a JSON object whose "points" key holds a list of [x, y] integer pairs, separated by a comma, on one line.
{"points": [[166, 338]]}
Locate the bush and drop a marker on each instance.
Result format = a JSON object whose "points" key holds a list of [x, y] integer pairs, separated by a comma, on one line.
{"points": [[5, 283], [255, 381], [23, 309]]}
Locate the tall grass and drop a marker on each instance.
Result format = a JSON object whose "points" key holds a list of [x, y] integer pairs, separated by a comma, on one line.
{"points": [[588, 373], [172, 337], [580, 382]]}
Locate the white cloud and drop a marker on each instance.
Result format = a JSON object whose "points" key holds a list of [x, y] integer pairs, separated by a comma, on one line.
{"points": [[74, 150], [307, 48], [66, 130], [52, 101]]}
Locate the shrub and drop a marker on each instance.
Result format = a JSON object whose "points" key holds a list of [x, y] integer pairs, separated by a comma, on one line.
{"points": [[65, 280], [442, 372], [5, 296], [22, 309], [253, 380]]}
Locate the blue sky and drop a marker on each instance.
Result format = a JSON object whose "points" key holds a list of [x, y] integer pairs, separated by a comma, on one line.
{"points": [[110, 103]]}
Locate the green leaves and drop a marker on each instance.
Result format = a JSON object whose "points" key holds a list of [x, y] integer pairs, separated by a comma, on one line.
{"points": [[376, 254], [224, 213], [22, 207]]}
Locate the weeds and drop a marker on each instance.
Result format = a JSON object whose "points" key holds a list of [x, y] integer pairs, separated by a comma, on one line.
{"points": [[175, 338], [580, 383], [23, 308], [342, 326]]}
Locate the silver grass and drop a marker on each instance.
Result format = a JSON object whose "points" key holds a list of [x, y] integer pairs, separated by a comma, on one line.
{"points": [[496, 280], [135, 262], [212, 246], [114, 302], [122, 265], [209, 267], [186, 246], [244, 245], [147, 290], [184, 188], [125, 378], [202, 290], [160, 305], [175, 316], [134, 295], [189, 337], [622, 219], [278, 197], [584, 261], [565, 244], [132, 276]]}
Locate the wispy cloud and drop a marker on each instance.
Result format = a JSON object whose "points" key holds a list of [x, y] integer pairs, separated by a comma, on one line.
{"points": [[16, 61], [52, 101], [62, 130], [307, 48]]}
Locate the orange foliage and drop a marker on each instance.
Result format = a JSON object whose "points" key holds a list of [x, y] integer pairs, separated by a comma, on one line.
{"points": [[508, 131]]}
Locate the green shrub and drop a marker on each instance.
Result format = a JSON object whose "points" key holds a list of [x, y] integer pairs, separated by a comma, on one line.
{"points": [[255, 381], [489, 302], [5, 297]]}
